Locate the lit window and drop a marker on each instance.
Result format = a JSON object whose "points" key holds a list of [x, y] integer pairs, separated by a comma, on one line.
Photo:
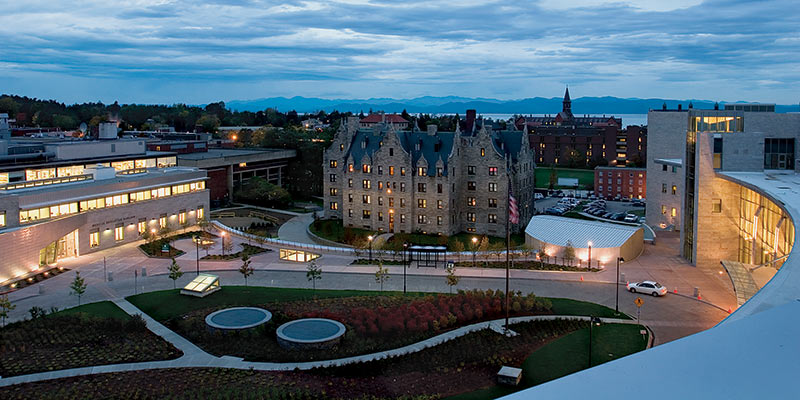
{"points": [[200, 212], [674, 189], [422, 171], [492, 218], [492, 187], [3, 218], [94, 239], [439, 204], [492, 203], [334, 191], [492, 171], [119, 233], [483, 152], [471, 216], [141, 227], [162, 221], [334, 205], [366, 184], [391, 170], [663, 209], [402, 171], [422, 203], [182, 217], [674, 212], [334, 163], [471, 201]]}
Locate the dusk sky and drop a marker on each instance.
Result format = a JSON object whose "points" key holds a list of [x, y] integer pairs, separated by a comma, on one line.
{"points": [[162, 51]]}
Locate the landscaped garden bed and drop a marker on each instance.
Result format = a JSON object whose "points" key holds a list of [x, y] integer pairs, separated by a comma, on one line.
{"points": [[72, 339], [374, 323], [247, 249], [525, 264], [465, 366], [153, 248]]}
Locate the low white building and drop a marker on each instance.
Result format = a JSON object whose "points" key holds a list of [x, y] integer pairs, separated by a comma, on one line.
{"points": [[607, 240]]}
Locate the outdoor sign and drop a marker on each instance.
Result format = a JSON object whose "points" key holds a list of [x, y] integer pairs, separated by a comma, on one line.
{"points": [[638, 302]]}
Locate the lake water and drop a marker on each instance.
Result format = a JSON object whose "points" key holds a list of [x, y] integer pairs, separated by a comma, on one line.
{"points": [[627, 119]]}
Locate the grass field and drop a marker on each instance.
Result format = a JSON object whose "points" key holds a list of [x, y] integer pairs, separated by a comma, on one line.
{"points": [[585, 176], [568, 355], [99, 309]]}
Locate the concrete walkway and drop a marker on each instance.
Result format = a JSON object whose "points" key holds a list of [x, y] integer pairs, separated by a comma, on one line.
{"points": [[194, 357], [294, 230]]}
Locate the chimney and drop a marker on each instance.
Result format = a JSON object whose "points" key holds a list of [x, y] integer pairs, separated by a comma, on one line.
{"points": [[470, 120], [680, 107], [716, 106], [432, 129]]}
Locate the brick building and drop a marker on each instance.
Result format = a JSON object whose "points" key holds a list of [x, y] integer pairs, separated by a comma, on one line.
{"points": [[390, 180], [578, 141], [616, 182]]}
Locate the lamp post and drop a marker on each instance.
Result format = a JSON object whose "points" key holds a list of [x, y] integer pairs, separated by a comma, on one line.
{"points": [[474, 249], [405, 246], [369, 239], [590, 255], [616, 285], [223, 242], [197, 247], [592, 321]]}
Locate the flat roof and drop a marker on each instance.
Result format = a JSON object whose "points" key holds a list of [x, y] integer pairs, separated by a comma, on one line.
{"points": [[223, 153], [558, 230]]}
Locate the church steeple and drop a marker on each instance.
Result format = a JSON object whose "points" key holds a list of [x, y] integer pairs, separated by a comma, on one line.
{"points": [[567, 103]]}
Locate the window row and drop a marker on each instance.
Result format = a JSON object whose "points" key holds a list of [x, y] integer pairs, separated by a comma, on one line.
{"points": [[26, 216], [141, 226]]}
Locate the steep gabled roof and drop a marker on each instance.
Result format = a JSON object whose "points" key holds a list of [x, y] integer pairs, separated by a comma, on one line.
{"points": [[390, 118]]}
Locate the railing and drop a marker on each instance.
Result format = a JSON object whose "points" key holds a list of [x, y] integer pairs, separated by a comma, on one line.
{"points": [[46, 182], [378, 254]]}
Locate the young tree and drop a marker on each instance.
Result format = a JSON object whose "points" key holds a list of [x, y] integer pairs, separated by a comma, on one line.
{"points": [[313, 273], [5, 307], [452, 279], [206, 244], [78, 286], [569, 252], [246, 270], [542, 256], [382, 274], [553, 179], [227, 245], [498, 249], [174, 272], [458, 247], [203, 224]]}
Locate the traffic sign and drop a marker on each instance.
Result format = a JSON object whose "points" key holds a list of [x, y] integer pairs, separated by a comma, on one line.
{"points": [[638, 302]]}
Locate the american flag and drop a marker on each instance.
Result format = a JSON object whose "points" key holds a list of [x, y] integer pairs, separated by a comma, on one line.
{"points": [[513, 211]]}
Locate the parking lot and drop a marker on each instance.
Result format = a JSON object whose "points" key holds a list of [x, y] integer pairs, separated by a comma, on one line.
{"points": [[611, 206]]}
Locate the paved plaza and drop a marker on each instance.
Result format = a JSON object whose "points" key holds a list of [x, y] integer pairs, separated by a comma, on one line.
{"points": [[670, 317]]}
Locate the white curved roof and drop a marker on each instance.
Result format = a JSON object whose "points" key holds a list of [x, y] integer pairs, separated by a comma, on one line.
{"points": [[558, 230]]}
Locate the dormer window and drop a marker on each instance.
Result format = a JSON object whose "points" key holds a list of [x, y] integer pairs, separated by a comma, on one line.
{"points": [[483, 152]]}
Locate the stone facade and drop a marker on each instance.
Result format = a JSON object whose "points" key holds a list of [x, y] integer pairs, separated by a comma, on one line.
{"points": [[666, 141], [390, 180]]}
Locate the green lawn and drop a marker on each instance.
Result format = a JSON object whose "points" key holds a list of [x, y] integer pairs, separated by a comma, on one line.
{"points": [[577, 307], [332, 229], [99, 309], [568, 355], [165, 304], [585, 176]]}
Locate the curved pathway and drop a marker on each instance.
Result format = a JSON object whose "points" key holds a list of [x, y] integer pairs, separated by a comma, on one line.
{"points": [[195, 357]]}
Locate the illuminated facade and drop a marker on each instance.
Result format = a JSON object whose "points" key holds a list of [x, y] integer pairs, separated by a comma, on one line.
{"points": [[720, 219], [47, 220]]}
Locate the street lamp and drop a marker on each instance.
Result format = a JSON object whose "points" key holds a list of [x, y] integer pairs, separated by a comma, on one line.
{"points": [[405, 246], [616, 303], [590, 255], [223, 242], [592, 322], [369, 238], [197, 247], [474, 249]]}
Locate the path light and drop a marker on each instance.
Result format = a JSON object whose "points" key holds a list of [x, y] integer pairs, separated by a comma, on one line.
{"points": [[474, 249], [369, 238], [590, 254], [620, 260]]}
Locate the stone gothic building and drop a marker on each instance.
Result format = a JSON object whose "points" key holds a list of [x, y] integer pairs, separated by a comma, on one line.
{"points": [[390, 180]]}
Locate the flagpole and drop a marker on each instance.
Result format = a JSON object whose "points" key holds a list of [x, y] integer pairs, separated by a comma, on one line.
{"points": [[508, 236]]}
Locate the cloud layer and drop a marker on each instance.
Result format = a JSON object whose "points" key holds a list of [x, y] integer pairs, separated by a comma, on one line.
{"points": [[206, 50]]}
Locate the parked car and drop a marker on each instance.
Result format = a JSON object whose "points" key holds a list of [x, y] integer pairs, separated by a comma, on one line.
{"points": [[642, 220], [554, 211], [607, 215], [538, 196], [631, 218], [647, 287]]}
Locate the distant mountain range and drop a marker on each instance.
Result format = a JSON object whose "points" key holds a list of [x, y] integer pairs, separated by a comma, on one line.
{"points": [[455, 104]]}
